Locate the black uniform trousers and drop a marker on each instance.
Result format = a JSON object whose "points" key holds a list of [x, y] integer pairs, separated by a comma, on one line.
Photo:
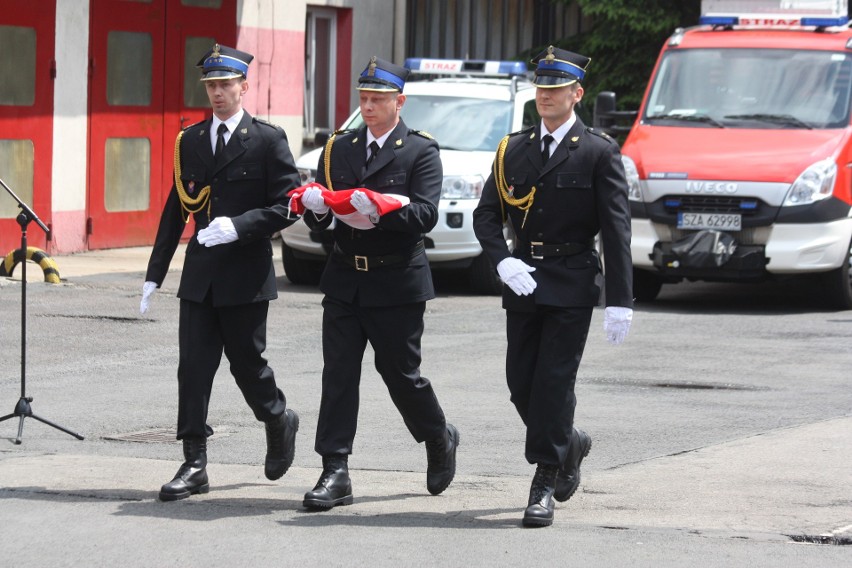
{"points": [[394, 333], [204, 332], [542, 358]]}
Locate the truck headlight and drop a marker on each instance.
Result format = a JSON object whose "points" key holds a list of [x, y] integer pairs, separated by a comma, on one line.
{"points": [[813, 184], [462, 187], [634, 192], [306, 175]]}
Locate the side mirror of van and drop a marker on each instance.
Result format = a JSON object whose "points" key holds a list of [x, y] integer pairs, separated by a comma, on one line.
{"points": [[604, 106], [608, 119]]}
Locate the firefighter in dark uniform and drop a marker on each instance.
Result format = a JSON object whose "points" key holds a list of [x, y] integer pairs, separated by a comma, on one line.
{"points": [[558, 184], [376, 283], [232, 174]]}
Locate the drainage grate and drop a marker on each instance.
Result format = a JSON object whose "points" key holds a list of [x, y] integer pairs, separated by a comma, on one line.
{"points": [[157, 435]]}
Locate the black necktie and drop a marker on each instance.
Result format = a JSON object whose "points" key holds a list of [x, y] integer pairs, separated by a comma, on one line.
{"points": [[374, 149], [220, 140], [545, 152]]}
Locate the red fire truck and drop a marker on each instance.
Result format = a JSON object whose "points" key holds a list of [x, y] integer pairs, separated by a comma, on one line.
{"points": [[739, 161]]}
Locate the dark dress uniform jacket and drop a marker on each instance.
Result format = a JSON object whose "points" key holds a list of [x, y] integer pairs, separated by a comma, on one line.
{"points": [[249, 184], [580, 191], [407, 164]]}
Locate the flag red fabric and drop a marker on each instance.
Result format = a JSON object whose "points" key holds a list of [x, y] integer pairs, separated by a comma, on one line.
{"points": [[338, 202]]}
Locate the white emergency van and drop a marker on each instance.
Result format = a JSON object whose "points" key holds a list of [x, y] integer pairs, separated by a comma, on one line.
{"points": [[468, 107], [740, 159]]}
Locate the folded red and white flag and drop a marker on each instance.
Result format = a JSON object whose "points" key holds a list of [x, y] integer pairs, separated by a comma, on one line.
{"points": [[339, 203]]}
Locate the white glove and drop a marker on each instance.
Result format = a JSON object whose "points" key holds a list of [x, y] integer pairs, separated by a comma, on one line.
{"points": [[514, 272], [220, 231], [312, 200], [617, 323], [147, 290], [364, 205]]}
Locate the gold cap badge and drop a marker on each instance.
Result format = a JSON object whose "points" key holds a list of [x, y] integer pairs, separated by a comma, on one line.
{"points": [[372, 67], [549, 58]]}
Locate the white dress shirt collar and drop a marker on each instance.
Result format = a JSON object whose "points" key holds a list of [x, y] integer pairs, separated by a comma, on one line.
{"points": [[560, 132], [231, 123]]}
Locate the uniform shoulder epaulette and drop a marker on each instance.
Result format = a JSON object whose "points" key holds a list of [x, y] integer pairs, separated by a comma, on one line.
{"points": [[266, 123], [526, 130], [193, 125], [600, 133], [343, 131], [422, 133]]}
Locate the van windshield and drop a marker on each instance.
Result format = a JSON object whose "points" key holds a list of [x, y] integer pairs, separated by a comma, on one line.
{"points": [[751, 88], [457, 123]]}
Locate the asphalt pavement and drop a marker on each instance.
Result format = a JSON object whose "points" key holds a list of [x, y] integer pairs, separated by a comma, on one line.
{"points": [[752, 494]]}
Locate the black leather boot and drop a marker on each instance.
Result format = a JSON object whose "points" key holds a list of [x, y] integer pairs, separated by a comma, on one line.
{"points": [[191, 478], [334, 486], [539, 512], [441, 461], [568, 476], [280, 444]]}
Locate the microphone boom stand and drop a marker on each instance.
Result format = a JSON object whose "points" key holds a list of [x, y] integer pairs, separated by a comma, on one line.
{"points": [[23, 408]]}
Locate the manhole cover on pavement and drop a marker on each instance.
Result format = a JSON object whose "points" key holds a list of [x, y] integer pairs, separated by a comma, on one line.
{"points": [[155, 435]]}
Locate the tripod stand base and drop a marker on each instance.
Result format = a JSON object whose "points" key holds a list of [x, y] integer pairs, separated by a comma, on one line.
{"points": [[23, 409]]}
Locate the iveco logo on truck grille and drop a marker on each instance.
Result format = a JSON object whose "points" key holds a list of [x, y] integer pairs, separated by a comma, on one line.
{"points": [[711, 187]]}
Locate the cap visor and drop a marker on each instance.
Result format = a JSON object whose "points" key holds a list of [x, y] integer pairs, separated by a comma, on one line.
{"points": [[214, 75], [378, 89], [551, 81], [371, 84]]}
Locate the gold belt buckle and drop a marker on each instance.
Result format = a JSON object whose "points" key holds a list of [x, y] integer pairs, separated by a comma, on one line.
{"points": [[532, 250], [361, 263]]}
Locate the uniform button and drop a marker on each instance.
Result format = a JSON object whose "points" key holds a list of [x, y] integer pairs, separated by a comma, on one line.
{"points": [[539, 210], [540, 235]]}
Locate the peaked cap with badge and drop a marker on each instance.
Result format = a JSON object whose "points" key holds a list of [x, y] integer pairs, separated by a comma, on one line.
{"points": [[223, 62], [382, 76], [557, 67]]}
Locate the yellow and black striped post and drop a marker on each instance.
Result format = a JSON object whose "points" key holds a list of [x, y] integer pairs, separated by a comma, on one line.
{"points": [[47, 264]]}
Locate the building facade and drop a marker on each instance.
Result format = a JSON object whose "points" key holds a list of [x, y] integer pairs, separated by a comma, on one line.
{"points": [[95, 91]]}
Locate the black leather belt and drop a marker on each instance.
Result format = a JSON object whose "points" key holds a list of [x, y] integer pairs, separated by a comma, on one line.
{"points": [[541, 250], [366, 263]]}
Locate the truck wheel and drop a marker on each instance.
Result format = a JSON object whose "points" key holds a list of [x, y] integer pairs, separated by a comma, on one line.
{"points": [[646, 285], [482, 277], [838, 284], [300, 271]]}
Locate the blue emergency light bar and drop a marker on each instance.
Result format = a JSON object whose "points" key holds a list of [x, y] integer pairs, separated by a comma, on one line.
{"points": [[719, 20], [466, 67], [806, 21], [774, 14], [825, 22]]}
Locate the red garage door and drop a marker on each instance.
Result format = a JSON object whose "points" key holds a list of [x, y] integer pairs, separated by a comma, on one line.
{"points": [[143, 88], [26, 116]]}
